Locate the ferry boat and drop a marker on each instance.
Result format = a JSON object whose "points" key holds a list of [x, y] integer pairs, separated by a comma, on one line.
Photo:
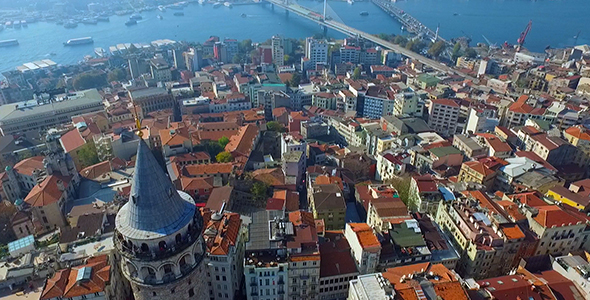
{"points": [[350, 1], [23, 23], [131, 22], [160, 17], [8, 43], [244, 15], [179, 14], [70, 24], [217, 4], [100, 52], [201, 2], [364, 13], [16, 24], [161, 8], [79, 41], [8, 24], [90, 21], [227, 4], [135, 17]]}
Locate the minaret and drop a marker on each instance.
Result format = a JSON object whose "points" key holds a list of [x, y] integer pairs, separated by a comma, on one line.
{"points": [[158, 236]]}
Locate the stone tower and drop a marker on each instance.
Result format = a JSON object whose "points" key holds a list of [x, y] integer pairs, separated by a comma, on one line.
{"points": [[158, 234]]}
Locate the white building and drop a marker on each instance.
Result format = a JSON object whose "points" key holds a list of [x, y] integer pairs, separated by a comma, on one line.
{"points": [[409, 104], [364, 246], [443, 116], [369, 287], [290, 144], [480, 121], [278, 50], [575, 269], [294, 166], [316, 51]]}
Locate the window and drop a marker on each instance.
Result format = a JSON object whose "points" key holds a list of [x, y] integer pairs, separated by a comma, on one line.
{"points": [[172, 291], [191, 292]]}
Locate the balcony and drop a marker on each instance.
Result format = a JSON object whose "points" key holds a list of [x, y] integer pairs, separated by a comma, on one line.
{"points": [[304, 276], [281, 292], [253, 283]]}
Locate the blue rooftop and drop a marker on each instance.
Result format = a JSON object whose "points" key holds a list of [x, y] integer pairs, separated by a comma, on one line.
{"points": [[446, 193]]}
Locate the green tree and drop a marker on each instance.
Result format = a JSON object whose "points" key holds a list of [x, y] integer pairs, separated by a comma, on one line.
{"points": [[415, 46], [87, 155], [402, 185], [456, 52], [224, 140], [471, 53], [295, 80], [224, 157], [89, 80], [213, 148], [288, 59], [357, 73], [437, 48], [245, 46], [238, 58], [116, 75], [400, 40], [259, 190], [384, 36], [274, 126]]}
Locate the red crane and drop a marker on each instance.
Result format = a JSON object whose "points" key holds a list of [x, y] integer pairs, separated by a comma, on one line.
{"points": [[523, 35]]}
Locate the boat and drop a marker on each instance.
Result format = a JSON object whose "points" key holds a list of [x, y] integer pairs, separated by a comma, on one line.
{"points": [[79, 41], [100, 52], [8, 43], [364, 13], [217, 4], [131, 22], [403, 28], [201, 2], [23, 23], [90, 21], [70, 24], [227, 4], [160, 17], [179, 14], [455, 14], [350, 1], [244, 15], [103, 19], [135, 17], [16, 24], [8, 24], [161, 8]]}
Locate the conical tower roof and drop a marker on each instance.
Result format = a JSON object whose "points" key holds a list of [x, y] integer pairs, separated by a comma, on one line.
{"points": [[155, 208]]}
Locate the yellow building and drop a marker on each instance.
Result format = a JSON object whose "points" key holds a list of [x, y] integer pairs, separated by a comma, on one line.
{"points": [[326, 201], [474, 171], [563, 195]]}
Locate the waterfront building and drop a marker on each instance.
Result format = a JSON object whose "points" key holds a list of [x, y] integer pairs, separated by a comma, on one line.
{"points": [[160, 70], [316, 51], [158, 235], [278, 50]]}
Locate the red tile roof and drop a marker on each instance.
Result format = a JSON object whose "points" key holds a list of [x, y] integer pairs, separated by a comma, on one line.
{"points": [[425, 183], [63, 284], [479, 168], [96, 171], [195, 184], [222, 234], [72, 140], [28, 165], [242, 143], [498, 145], [553, 215], [365, 235], [520, 106], [447, 102], [579, 132], [47, 192], [206, 169]]}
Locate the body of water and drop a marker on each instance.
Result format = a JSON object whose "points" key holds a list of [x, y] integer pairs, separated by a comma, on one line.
{"points": [[555, 22]]}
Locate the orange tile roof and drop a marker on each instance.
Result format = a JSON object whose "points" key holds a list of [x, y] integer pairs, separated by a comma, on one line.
{"points": [[47, 192], [184, 157], [447, 102], [220, 235], [175, 136], [450, 291], [512, 232], [520, 106], [578, 132], [71, 140], [207, 169], [291, 198], [97, 170], [301, 217], [242, 143], [511, 209], [195, 184], [479, 168], [365, 235], [64, 284], [406, 287], [28, 165]]}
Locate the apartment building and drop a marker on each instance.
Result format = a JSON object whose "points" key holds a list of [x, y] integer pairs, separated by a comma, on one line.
{"points": [[151, 99], [364, 246], [408, 104], [443, 116]]}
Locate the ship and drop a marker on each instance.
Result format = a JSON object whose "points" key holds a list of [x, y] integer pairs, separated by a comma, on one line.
{"points": [[23, 23], [160, 17], [135, 17], [227, 4], [130, 22], [8, 24], [70, 24], [350, 1], [201, 2], [217, 4], [16, 24], [90, 21], [364, 13], [179, 14], [79, 41], [244, 15], [162, 8], [8, 43], [103, 19]]}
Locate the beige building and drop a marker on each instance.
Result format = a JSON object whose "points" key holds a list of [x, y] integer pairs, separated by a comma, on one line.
{"points": [[327, 202], [151, 99], [364, 246], [579, 136]]}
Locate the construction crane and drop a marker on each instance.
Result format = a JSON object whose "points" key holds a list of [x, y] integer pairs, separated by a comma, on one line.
{"points": [[490, 45], [523, 35]]}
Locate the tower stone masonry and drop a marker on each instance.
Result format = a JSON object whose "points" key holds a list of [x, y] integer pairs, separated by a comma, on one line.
{"points": [[158, 234]]}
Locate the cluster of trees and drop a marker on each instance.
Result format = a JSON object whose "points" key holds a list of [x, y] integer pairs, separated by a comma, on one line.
{"points": [[87, 155], [275, 126], [259, 191], [89, 80], [224, 157], [117, 74], [214, 147], [458, 52], [402, 185]]}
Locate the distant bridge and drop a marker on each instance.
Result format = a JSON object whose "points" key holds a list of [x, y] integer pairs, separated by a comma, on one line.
{"points": [[327, 23]]}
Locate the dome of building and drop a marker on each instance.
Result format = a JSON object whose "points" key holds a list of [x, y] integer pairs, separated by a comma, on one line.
{"points": [[155, 208]]}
